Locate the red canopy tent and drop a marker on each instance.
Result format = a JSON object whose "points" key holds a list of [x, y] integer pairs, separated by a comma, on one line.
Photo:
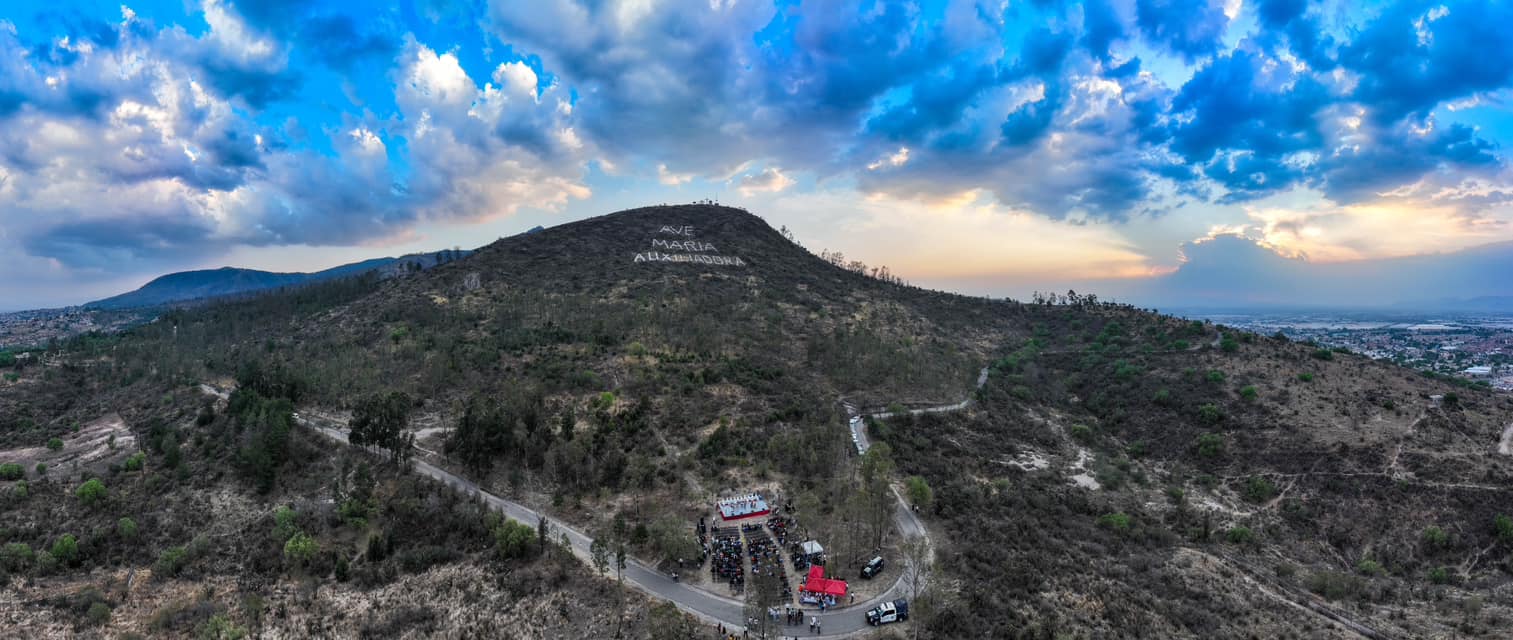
{"points": [[818, 583]]}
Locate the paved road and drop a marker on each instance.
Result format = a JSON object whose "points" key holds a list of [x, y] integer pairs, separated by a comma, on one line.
{"points": [[707, 606], [859, 422]]}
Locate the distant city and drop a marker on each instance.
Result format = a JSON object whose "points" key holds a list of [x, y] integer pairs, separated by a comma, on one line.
{"points": [[1476, 346]]}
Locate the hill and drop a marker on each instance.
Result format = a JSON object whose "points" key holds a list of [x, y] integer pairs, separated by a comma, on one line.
{"points": [[1118, 474], [208, 284]]}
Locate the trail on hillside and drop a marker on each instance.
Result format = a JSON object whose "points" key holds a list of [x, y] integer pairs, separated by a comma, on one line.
{"points": [[1506, 446]]}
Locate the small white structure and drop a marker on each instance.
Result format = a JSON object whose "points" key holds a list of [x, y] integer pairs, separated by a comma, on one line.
{"points": [[812, 548], [1482, 371]]}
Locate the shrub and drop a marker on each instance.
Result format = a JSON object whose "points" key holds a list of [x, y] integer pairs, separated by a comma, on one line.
{"points": [[99, 614], [171, 561], [1210, 445], [1305, 377], [1439, 575], [1162, 397], [41, 468], [1215, 376], [126, 528], [1259, 489], [21, 490], [1436, 537], [91, 493], [135, 462], [1369, 567], [11, 471], [1249, 392], [1503, 526], [65, 550], [1211, 413], [219, 627], [56, 444], [1118, 522], [285, 523], [1229, 344], [1240, 535], [513, 539], [1323, 354], [1082, 433], [301, 548], [15, 556]]}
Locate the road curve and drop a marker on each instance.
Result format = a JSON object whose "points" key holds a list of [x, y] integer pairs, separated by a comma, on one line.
{"points": [[859, 422], [712, 609]]}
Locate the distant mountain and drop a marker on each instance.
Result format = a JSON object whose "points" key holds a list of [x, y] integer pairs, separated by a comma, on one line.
{"points": [[1233, 272], [206, 284]]}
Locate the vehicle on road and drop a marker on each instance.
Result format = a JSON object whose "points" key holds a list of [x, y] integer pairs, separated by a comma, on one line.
{"points": [[896, 611], [874, 567]]}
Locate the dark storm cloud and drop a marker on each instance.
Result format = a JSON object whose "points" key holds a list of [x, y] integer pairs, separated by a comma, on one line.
{"points": [[115, 242]]}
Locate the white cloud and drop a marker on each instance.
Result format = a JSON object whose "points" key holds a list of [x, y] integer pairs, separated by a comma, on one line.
{"points": [[769, 180]]}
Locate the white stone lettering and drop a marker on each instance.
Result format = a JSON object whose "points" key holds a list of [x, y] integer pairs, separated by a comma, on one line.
{"points": [[678, 231], [693, 251]]}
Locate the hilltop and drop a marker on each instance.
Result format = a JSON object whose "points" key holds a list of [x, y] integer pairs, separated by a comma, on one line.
{"points": [[1119, 474]]}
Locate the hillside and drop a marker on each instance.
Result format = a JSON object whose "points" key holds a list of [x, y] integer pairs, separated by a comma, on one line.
{"points": [[208, 284], [1120, 474]]}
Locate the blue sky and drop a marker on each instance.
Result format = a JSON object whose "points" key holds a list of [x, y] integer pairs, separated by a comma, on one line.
{"points": [[991, 147]]}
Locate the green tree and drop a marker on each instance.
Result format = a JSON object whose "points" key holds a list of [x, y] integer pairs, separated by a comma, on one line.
{"points": [[91, 493], [1211, 413], [513, 539], [300, 549], [1210, 445], [1436, 537], [65, 549], [1240, 535], [171, 561], [920, 494], [380, 420], [285, 523], [1249, 392], [56, 444], [126, 528], [11, 471], [1502, 525], [1259, 489], [136, 461]]}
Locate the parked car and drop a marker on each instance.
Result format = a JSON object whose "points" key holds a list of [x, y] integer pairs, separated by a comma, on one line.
{"points": [[874, 567], [896, 611]]}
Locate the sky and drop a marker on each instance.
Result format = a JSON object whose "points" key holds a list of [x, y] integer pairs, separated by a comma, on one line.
{"points": [[993, 148]]}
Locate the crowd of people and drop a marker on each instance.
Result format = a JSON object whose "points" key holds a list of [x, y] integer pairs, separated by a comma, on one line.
{"points": [[766, 558], [726, 563]]}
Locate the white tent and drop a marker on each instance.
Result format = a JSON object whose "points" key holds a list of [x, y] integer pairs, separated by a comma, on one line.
{"points": [[812, 548]]}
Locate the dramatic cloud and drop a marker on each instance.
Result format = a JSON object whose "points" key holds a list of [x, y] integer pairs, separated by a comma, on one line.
{"points": [[159, 136], [142, 154]]}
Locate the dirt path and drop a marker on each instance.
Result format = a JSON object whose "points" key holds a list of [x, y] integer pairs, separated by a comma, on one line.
{"points": [[1506, 446], [1304, 602]]}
